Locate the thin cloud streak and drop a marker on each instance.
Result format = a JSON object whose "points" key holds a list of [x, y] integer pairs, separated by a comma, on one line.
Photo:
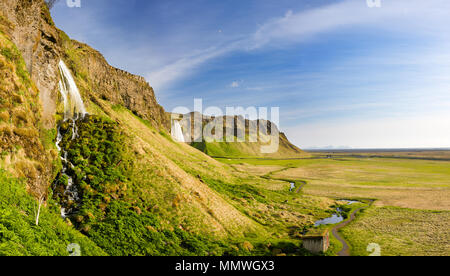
{"points": [[304, 25]]}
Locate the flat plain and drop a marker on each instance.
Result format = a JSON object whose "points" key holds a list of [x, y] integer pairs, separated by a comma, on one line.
{"points": [[411, 191]]}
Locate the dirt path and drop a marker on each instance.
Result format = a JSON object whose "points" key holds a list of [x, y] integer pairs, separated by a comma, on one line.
{"points": [[345, 248], [300, 188]]}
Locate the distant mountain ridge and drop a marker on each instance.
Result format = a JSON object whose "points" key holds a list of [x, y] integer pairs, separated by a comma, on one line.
{"points": [[239, 127]]}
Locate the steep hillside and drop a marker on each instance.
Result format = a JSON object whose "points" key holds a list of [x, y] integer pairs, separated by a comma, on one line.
{"points": [[29, 58], [38, 45], [26, 147], [27, 155]]}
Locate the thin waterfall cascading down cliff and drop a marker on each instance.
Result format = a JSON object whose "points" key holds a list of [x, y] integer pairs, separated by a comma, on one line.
{"points": [[177, 132], [73, 110], [73, 104]]}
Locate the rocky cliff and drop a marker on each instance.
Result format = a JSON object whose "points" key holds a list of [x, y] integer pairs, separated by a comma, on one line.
{"points": [[32, 30], [32, 47], [42, 45], [263, 133], [28, 57], [98, 80]]}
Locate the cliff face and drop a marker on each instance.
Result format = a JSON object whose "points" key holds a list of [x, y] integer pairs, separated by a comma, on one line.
{"points": [[28, 58], [32, 30], [98, 80], [42, 46]]}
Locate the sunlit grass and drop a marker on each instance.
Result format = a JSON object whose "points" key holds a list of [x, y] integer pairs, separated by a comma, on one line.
{"points": [[400, 232]]}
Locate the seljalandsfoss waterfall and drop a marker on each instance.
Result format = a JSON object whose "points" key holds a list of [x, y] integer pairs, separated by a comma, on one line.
{"points": [[177, 132], [73, 110]]}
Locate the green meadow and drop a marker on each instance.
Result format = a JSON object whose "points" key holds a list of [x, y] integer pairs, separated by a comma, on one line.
{"points": [[410, 214]]}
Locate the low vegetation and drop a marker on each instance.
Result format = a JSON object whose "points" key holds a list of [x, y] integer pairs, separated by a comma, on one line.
{"points": [[108, 212], [402, 182], [400, 232], [410, 215], [20, 236], [25, 150]]}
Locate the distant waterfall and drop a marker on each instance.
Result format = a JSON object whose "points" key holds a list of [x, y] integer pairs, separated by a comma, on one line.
{"points": [[177, 132], [73, 104]]}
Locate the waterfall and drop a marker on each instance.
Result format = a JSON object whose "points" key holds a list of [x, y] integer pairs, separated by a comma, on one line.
{"points": [[73, 110], [73, 104], [177, 132]]}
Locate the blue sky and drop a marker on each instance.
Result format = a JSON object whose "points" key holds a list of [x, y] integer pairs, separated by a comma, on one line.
{"points": [[343, 74]]}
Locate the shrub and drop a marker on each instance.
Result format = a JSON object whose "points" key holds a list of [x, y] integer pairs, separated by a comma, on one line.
{"points": [[26, 132], [117, 222], [4, 116], [27, 169], [6, 130], [20, 236], [9, 54]]}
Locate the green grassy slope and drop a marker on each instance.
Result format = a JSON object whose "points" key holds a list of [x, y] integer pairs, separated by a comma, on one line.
{"points": [[25, 153], [249, 149], [189, 190], [20, 236]]}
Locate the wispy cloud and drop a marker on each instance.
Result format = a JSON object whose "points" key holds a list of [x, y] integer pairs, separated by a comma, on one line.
{"points": [[402, 15], [235, 84], [184, 66]]}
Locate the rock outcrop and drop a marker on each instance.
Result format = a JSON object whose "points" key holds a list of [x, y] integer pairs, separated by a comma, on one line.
{"points": [[263, 131], [99, 80], [32, 30], [42, 45]]}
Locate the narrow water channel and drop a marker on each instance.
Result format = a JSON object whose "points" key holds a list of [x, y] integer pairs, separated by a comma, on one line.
{"points": [[336, 217]]}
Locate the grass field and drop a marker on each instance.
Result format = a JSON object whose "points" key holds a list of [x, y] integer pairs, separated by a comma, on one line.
{"points": [[411, 213], [400, 231], [420, 184]]}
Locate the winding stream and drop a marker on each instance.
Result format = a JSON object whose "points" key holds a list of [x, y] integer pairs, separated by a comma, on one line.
{"points": [[336, 217]]}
